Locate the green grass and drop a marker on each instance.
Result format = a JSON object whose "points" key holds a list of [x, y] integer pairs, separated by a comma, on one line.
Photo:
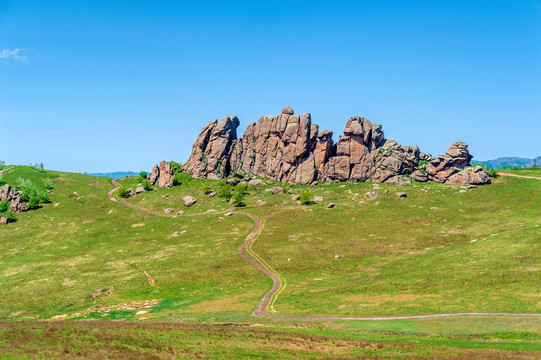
{"points": [[525, 171], [438, 250]]}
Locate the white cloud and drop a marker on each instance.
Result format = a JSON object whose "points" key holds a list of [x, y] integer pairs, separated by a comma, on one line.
{"points": [[14, 55]]}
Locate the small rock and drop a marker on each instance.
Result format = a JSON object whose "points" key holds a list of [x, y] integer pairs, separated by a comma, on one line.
{"points": [[232, 181], [343, 186], [331, 205], [463, 191], [401, 194], [212, 194], [259, 202], [371, 195], [221, 219], [228, 214], [55, 205], [139, 190], [188, 201], [256, 182], [165, 197], [318, 198], [168, 210], [288, 259], [3, 220], [110, 212], [180, 212], [141, 312], [277, 190], [337, 256], [295, 197]]}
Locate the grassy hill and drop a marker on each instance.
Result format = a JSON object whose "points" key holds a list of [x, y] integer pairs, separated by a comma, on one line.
{"points": [[441, 249]]}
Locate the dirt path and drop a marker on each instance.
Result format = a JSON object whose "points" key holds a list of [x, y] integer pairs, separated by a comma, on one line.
{"points": [[520, 176], [261, 310]]}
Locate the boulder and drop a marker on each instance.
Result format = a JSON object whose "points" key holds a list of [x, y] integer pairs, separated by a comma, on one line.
{"points": [[371, 195], [277, 190], [188, 201], [139, 190], [401, 194], [4, 193], [471, 176], [256, 182], [331, 205], [318, 198], [3, 220]]}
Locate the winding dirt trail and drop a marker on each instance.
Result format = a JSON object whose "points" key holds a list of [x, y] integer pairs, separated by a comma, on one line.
{"points": [[520, 176], [278, 284]]}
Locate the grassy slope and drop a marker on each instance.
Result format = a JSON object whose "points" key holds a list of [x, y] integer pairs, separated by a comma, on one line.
{"points": [[384, 260]]}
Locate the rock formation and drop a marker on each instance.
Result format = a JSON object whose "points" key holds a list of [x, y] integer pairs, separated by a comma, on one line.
{"points": [[289, 148], [162, 175], [17, 205]]}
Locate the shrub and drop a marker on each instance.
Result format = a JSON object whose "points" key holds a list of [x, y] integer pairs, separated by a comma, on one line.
{"points": [[175, 166], [206, 189], [10, 216], [2, 183], [181, 178], [493, 173], [4, 206], [306, 198], [241, 188], [225, 191], [29, 190], [146, 184], [238, 199], [33, 203], [123, 192], [44, 198], [2, 164], [48, 184], [142, 176]]}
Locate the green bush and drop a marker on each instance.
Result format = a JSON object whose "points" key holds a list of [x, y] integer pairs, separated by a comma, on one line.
{"points": [[10, 216], [306, 198], [123, 192], [238, 199], [44, 198], [2, 164], [2, 183], [241, 188], [142, 176], [48, 184], [29, 190], [146, 184], [4, 206], [206, 189], [226, 191], [493, 173], [181, 178], [33, 203], [175, 166]]}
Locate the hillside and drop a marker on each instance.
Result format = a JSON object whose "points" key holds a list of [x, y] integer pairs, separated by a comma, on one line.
{"points": [[511, 162], [441, 249]]}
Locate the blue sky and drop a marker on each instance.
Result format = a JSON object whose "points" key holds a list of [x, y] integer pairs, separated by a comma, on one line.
{"points": [[120, 85]]}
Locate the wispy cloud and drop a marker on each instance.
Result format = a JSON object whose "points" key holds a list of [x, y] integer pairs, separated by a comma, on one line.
{"points": [[14, 55]]}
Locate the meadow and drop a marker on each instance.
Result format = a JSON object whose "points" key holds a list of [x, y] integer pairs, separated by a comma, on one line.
{"points": [[441, 249]]}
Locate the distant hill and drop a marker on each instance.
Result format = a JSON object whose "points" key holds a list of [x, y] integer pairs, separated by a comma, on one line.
{"points": [[116, 175], [510, 161]]}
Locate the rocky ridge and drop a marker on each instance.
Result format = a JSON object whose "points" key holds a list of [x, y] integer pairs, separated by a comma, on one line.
{"points": [[289, 148]]}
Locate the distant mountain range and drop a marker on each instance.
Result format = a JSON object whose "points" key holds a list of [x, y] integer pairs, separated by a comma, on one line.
{"points": [[116, 175], [510, 161]]}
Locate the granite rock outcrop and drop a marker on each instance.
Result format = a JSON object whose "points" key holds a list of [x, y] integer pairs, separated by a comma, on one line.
{"points": [[290, 148]]}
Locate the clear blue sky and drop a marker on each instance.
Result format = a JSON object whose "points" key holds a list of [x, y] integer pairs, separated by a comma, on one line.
{"points": [[120, 85]]}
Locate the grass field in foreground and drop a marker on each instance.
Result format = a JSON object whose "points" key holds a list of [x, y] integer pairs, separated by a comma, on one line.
{"points": [[106, 340], [84, 259]]}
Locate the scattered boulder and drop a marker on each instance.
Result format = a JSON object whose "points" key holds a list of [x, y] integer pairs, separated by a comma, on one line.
{"points": [[168, 210], [139, 190], [331, 205], [277, 190], [371, 195], [318, 198], [212, 194], [470, 176], [232, 181], [188, 201], [260, 202], [3, 220], [401, 195], [256, 182]]}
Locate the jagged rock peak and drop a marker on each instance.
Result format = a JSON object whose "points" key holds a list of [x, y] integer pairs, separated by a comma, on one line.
{"points": [[289, 148]]}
